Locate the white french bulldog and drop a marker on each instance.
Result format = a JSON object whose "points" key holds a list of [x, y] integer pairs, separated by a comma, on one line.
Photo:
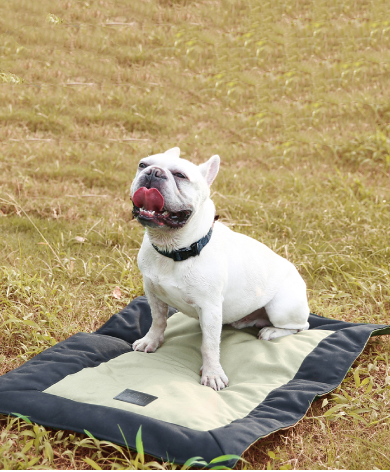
{"points": [[203, 268]]}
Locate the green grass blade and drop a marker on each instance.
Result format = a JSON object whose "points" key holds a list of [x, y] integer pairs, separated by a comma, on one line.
{"points": [[89, 434], [224, 458], [194, 461], [22, 417], [92, 463], [139, 445], [124, 439]]}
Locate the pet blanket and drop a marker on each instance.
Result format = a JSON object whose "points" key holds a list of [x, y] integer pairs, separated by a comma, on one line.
{"points": [[96, 382]]}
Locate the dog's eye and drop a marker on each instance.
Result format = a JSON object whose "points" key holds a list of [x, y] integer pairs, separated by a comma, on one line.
{"points": [[181, 176], [142, 165]]}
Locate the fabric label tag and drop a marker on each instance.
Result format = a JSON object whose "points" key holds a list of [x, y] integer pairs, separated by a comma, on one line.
{"points": [[138, 398]]}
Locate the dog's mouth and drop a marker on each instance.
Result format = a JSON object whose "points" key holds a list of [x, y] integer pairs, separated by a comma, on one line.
{"points": [[172, 219], [148, 208]]}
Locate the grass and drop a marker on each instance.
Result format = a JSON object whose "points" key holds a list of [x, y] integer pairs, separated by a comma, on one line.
{"points": [[294, 98], [41, 449]]}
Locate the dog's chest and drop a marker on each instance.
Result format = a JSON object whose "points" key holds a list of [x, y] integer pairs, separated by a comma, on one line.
{"points": [[170, 286], [175, 294]]}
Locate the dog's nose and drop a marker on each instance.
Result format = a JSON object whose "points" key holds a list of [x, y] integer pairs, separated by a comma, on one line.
{"points": [[156, 173]]}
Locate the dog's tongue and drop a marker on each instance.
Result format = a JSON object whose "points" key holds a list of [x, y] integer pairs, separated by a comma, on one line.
{"points": [[148, 198]]}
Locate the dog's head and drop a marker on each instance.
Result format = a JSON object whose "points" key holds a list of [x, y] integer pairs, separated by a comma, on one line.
{"points": [[167, 190]]}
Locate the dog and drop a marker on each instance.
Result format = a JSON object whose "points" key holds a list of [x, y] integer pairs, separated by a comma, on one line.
{"points": [[202, 268]]}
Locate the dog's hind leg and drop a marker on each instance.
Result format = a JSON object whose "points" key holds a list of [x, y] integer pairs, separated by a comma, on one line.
{"points": [[288, 311], [258, 318]]}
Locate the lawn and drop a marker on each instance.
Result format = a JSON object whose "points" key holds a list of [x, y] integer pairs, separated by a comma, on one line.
{"points": [[293, 95]]}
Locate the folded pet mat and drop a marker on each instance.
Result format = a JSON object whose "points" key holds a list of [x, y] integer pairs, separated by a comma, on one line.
{"points": [[96, 382]]}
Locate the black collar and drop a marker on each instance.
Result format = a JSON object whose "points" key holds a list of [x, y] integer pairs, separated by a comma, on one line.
{"points": [[186, 252]]}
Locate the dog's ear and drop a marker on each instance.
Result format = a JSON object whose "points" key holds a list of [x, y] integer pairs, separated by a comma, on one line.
{"points": [[174, 152], [210, 169]]}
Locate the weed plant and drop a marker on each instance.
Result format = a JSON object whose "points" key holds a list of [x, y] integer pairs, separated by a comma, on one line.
{"points": [[294, 98]]}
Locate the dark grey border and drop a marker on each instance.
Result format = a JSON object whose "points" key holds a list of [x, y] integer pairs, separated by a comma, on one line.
{"points": [[21, 390]]}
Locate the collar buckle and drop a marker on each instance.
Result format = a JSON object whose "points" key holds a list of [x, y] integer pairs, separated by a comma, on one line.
{"points": [[195, 248]]}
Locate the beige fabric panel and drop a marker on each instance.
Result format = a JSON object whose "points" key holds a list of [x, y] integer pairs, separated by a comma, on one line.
{"points": [[254, 369]]}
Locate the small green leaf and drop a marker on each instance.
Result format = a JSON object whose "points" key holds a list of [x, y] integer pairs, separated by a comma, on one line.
{"points": [[324, 403], [365, 381], [322, 426], [357, 378], [348, 397], [49, 451], [89, 434], [333, 410], [369, 388], [354, 415], [30, 323], [194, 460], [27, 432], [28, 446], [92, 463], [227, 457], [362, 410], [33, 461], [339, 398], [22, 417], [271, 454]]}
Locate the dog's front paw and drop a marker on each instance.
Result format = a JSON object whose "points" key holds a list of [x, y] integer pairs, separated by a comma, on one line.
{"points": [[266, 334], [148, 343], [214, 378]]}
